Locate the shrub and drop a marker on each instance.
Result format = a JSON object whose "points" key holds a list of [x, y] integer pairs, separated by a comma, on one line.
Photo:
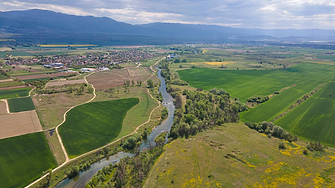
{"points": [[305, 152], [282, 145]]}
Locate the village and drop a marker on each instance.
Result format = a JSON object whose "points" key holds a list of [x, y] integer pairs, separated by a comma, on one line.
{"points": [[83, 62]]}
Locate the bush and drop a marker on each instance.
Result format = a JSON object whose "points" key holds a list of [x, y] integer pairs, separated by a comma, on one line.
{"points": [[282, 145], [305, 152]]}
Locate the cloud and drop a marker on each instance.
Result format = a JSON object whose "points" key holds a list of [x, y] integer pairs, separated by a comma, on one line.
{"points": [[237, 13]]}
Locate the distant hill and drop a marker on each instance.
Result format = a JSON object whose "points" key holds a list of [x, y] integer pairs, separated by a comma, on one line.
{"points": [[48, 25]]}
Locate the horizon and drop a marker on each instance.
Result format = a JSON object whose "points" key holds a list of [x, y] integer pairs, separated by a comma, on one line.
{"points": [[256, 14]]}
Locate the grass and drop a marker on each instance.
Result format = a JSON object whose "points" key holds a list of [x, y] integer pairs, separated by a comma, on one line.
{"points": [[314, 118], [23, 159], [21, 104], [236, 156], [93, 125], [2, 77], [245, 83], [7, 84], [51, 108], [14, 93]]}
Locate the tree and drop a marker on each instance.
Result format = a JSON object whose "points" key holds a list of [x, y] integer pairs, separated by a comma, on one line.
{"points": [[70, 90], [132, 82], [150, 83]]}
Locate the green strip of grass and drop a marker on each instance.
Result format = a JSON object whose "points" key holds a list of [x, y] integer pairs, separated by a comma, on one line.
{"points": [[23, 159], [21, 104], [93, 125], [14, 93]]}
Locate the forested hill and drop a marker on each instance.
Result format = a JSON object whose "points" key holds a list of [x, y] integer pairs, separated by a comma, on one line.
{"points": [[43, 22]]}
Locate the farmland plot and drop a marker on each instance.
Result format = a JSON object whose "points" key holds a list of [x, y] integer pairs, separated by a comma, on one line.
{"points": [[93, 125], [23, 159], [314, 118], [21, 104], [14, 93]]}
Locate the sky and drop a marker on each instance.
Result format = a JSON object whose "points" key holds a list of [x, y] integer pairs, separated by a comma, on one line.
{"points": [[266, 14]]}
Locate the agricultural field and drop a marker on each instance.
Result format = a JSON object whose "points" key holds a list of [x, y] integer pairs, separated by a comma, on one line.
{"points": [[51, 108], [43, 76], [236, 156], [8, 84], [2, 77], [93, 125], [243, 84], [65, 82], [115, 78], [3, 107], [23, 159], [20, 104], [14, 93], [314, 118], [19, 124]]}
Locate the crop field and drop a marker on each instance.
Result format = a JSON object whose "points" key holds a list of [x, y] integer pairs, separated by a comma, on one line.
{"points": [[14, 93], [21, 104], [246, 83], [115, 78], [65, 82], [23, 159], [41, 76], [8, 84], [51, 108], [93, 125], [315, 118], [2, 77], [19, 124], [236, 156], [3, 107]]}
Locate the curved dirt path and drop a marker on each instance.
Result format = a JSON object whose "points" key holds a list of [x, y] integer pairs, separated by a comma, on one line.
{"points": [[60, 140]]}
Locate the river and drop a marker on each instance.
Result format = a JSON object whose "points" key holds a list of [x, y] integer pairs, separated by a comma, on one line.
{"points": [[83, 177]]}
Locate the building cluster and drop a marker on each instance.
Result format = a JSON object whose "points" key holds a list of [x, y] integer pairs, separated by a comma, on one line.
{"points": [[89, 58]]}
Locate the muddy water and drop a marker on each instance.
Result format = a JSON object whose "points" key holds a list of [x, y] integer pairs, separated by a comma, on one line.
{"points": [[84, 177]]}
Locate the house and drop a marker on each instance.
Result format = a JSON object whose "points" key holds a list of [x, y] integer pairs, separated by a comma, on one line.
{"points": [[103, 68], [87, 70]]}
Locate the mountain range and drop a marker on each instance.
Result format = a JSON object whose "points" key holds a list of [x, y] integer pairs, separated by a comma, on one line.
{"points": [[42, 23]]}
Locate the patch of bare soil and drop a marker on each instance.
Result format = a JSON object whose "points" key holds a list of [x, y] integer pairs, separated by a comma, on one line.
{"points": [[19, 124]]}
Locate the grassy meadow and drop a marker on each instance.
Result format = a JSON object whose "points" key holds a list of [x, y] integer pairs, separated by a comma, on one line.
{"points": [[14, 93], [236, 156], [314, 118], [21, 104], [93, 125], [23, 159], [7, 84], [2, 77]]}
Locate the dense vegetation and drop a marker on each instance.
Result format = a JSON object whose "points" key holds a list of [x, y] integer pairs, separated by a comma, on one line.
{"points": [[21, 104], [23, 159], [129, 172], [14, 93], [93, 125], [204, 110]]}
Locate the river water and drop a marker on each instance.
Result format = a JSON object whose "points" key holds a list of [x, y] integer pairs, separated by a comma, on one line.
{"points": [[84, 177]]}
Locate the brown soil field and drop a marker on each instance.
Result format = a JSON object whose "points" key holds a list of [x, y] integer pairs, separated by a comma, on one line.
{"points": [[11, 87], [3, 108], [36, 76], [65, 82], [19, 124], [229, 50], [116, 78]]}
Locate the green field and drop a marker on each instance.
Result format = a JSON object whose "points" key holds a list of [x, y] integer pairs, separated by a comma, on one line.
{"points": [[245, 83], [314, 118], [7, 84], [93, 125], [14, 93], [2, 77], [23, 159], [21, 104]]}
